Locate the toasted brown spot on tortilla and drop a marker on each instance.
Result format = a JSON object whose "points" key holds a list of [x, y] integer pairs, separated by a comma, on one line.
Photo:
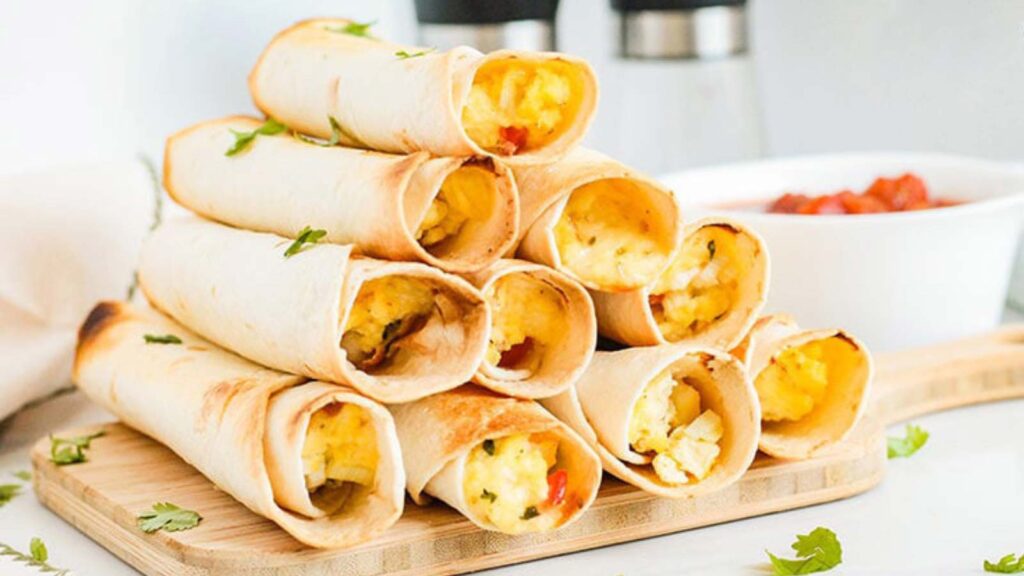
{"points": [[97, 321]]}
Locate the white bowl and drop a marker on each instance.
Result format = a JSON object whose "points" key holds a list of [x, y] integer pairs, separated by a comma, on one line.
{"points": [[896, 280]]}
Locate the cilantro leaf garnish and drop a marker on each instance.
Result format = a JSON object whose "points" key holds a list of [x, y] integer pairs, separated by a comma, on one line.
{"points": [[711, 250], [489, 447], [905, 447], [36, 558], [23, 475], [307, 236], [818, 551], [1008, 564], [244, 139], [169, 517], [488, 495], [8, 492], [64, 451], [403, 55], [361, 29], [161, 339]]}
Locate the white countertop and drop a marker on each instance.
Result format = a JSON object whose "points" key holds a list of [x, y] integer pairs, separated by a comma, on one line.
{"points": [[956, 502]]}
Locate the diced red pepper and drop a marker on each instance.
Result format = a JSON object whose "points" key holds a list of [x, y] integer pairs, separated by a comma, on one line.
{"points": [[823, 205], [516, 354], [513, 139], [557, 483], [789, 203]]}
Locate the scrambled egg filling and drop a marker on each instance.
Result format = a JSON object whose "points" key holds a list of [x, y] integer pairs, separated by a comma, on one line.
{"points": [[794, 383], [340, 450], [700, 286], [507, 482], [385, 310], [466, 196], [667, 420], [527, 316], [606, 237], [516, 105]]}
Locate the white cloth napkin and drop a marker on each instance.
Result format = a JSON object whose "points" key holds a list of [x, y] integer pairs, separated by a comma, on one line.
{"points": [[69, 237]]}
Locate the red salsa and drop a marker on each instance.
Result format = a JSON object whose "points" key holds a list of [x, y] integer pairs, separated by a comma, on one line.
{"points": [[901, 194]]}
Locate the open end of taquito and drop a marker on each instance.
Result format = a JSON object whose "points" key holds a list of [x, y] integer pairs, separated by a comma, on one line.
{"points": [[234, 421], [472, 217], [332, 451], [522, 107], [528, 107], [612, 234], [458, 214], [812, 385], [674, 421], [504, 463], [410, 331], [543, 330], [710, 294]]}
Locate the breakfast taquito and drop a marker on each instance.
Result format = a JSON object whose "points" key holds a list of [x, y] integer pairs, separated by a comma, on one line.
{"points": [[504, 463], [395, 331], [673, 421], [543, 330], [710, 294], [320, 460], [597, 221], [812, 385], [329, 76], [459, 214]]}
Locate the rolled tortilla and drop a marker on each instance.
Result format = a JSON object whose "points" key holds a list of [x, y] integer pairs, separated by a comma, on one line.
{"points": [[245, 427], [710, 294], [812, 385], [525, 107], [504, 463], [395, 331], [459, 214], [597, 221], [543, 331], [708, 408]]}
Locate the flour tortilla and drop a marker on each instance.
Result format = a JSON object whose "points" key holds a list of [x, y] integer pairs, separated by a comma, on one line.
{"points": [[600, 405], [384, 102], [626, 317], [545, 190], [438, 432], [237, 289], [846, 397], [232, 420], [564, 361], [376, 201]]}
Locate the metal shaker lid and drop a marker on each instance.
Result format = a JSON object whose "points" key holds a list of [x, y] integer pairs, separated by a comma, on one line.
{"points": [[679, 29], [487, 24]]}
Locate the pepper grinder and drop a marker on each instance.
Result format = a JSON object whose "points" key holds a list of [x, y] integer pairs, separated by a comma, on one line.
{"points": [[683, 91], [487, 25]]}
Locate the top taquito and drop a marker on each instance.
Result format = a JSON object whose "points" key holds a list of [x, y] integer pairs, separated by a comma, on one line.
{"points": [[710, 294], [459, 214], [524, 107], [395, 331], [318, 459], [597, 221], [812, 385]]}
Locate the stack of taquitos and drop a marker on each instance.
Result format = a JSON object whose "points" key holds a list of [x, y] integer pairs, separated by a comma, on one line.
{"points": [[328, 248]]}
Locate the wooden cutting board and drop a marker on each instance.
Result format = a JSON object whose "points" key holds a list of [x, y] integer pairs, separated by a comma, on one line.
{"points": [[127, 473]]}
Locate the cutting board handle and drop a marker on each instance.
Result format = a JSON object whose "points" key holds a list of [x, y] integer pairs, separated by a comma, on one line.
{"points": [[971, 371]]}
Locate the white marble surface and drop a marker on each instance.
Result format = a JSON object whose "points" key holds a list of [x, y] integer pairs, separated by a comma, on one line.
{"points": [[958, 501]]}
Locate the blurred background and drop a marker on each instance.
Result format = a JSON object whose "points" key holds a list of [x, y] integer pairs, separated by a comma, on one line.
{"points": [[110, 78]]}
